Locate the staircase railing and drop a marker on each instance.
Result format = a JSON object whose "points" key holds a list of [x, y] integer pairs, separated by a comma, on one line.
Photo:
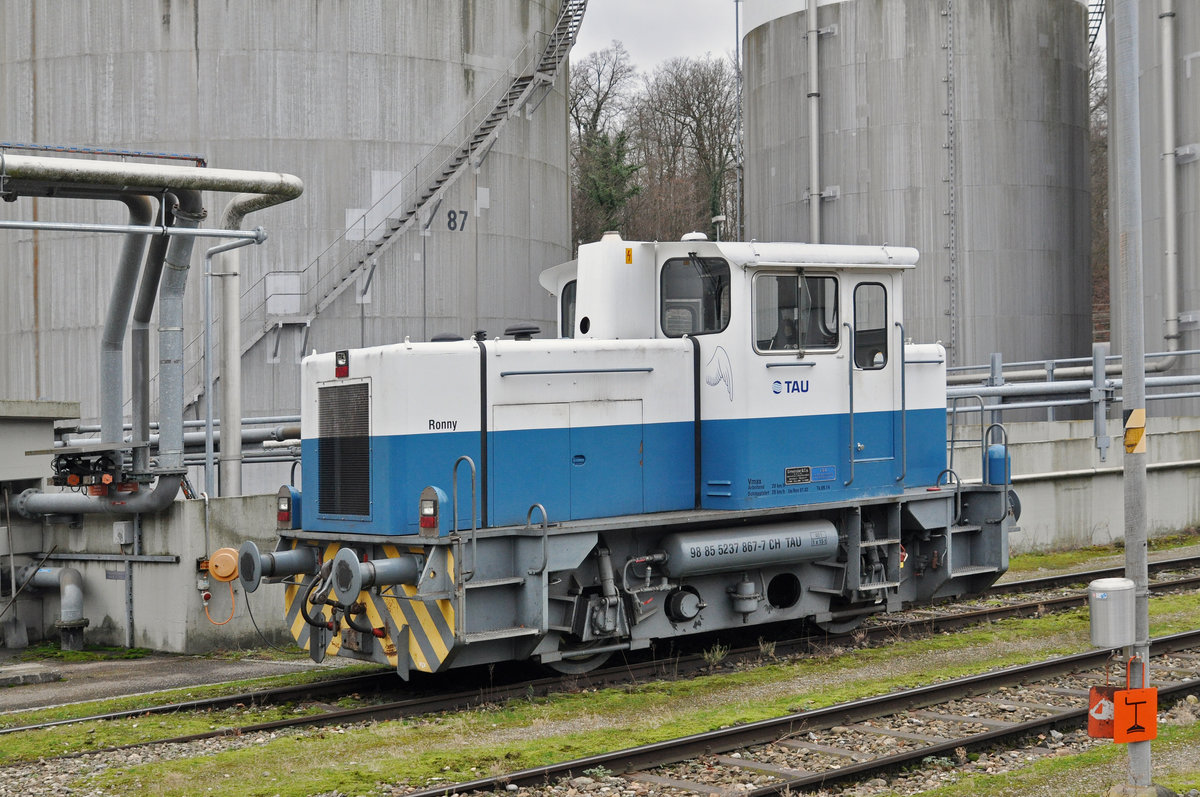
{"points": [[525, 82]]}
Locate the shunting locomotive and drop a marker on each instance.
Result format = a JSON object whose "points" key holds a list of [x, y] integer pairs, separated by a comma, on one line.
{"points": [[724, 434]]}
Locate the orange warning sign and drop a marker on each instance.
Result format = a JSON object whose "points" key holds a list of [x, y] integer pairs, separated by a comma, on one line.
{"points": [[628, 256], [1101, 710], [1135, 715]]}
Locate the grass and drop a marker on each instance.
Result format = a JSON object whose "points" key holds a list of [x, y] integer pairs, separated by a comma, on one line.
{"points": [[49, 651], [532, 732], [1086, 774], [77, 710], [1075, 558]]}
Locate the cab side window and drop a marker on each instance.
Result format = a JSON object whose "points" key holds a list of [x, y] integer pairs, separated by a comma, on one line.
{"points": [[795, 312], [870, 326], [567, 309], [695, 296]]}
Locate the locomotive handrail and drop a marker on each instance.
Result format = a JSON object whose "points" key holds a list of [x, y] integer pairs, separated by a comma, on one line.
{"points": [[992, 428], [545, 533], [850, 361], [954, 426], [465, 575], [579, 371], [794, 364], [951, 474], [903, 408]]}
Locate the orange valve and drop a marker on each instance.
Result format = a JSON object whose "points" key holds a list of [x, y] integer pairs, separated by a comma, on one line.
{"points": [[223, 564]]}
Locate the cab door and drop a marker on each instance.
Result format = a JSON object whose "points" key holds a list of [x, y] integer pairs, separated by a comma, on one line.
{"points": [[873, 365]]}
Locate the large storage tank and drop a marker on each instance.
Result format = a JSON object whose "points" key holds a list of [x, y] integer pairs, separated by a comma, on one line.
{"points": [[363, 99], [1170, 187], [959, 128]]}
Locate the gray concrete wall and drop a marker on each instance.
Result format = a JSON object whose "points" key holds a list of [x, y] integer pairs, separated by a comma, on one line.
{"points": [[168, 613], [1071, 499]]}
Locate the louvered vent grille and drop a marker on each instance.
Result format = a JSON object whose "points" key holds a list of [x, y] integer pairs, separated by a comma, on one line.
{"points": [[344, 461]]}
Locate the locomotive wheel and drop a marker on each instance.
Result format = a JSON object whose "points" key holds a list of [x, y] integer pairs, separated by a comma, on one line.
{"points": [[578, 665]]}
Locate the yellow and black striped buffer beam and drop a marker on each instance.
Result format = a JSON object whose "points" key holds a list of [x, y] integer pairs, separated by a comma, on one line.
{"points": [[429, 623]]}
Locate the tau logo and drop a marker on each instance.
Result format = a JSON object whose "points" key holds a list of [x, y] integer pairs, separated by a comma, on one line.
{"points": [[777, 387], [791, 386]]}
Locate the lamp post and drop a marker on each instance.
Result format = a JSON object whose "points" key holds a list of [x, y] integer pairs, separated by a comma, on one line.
{"points": [[717, 221]]}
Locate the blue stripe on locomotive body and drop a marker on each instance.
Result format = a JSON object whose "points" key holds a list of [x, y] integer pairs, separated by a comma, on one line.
{"points": [[748, 464], [633, 469], [399, 467]]}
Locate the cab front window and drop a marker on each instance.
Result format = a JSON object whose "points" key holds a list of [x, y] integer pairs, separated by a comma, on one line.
{"points": [[695, 296]]}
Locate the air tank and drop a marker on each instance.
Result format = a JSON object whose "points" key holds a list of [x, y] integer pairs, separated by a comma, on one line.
{"points": [[364, 100], [958, 128]]}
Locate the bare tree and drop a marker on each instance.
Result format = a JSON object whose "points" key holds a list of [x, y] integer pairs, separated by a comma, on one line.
{"points": [[601, 87], [684, 128], [654, 160], [603, 171]]}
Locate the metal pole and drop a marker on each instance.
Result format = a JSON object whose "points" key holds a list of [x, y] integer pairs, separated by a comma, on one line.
{"points": [[814, 128], [1126, 61], [739, 232], [253, 236], [209, 474]]}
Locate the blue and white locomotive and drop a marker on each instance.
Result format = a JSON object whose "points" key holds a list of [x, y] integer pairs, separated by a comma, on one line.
{"points": [[726, 434]]}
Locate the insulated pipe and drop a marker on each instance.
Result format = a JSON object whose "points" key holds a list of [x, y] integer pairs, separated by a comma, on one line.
{"points": [[814, 129], [112, 343], [33, 502], [1166, 25], [26, 173], [188, 213], [69, 583], [140, 337], [231, 333], [23, 170]]}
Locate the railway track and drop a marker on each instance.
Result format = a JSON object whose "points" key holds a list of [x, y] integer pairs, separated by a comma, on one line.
{"points": [[817, 748], [384, 683]]}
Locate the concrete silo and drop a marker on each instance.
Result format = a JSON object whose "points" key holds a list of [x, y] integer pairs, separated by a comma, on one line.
{"points": [[1169, 117], [959, 128], [369, 101]]}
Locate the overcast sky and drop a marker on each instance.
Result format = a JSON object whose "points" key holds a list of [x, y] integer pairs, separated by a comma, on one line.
{"points": [[655, 30]]}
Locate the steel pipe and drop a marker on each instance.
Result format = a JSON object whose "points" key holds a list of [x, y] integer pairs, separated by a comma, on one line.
{"points": [[69, 583]]}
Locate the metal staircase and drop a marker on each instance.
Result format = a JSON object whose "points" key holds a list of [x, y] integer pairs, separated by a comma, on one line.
{"points": [[525, 92], [536, 72], [1095, 21]]}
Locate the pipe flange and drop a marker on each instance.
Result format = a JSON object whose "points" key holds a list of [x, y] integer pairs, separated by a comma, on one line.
{"points": [[67, 625]]}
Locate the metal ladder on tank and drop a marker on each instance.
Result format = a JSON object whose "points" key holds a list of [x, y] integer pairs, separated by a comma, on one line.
{"points": [[1095, 21], [526, 92]]}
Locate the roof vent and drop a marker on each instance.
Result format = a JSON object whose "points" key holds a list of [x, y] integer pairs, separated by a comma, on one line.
{"points": [[694, 236], [523, 331], [445, 337]]}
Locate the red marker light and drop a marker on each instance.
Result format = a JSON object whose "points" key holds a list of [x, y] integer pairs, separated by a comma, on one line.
{"points": [[341, 364], [428, 513]]}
